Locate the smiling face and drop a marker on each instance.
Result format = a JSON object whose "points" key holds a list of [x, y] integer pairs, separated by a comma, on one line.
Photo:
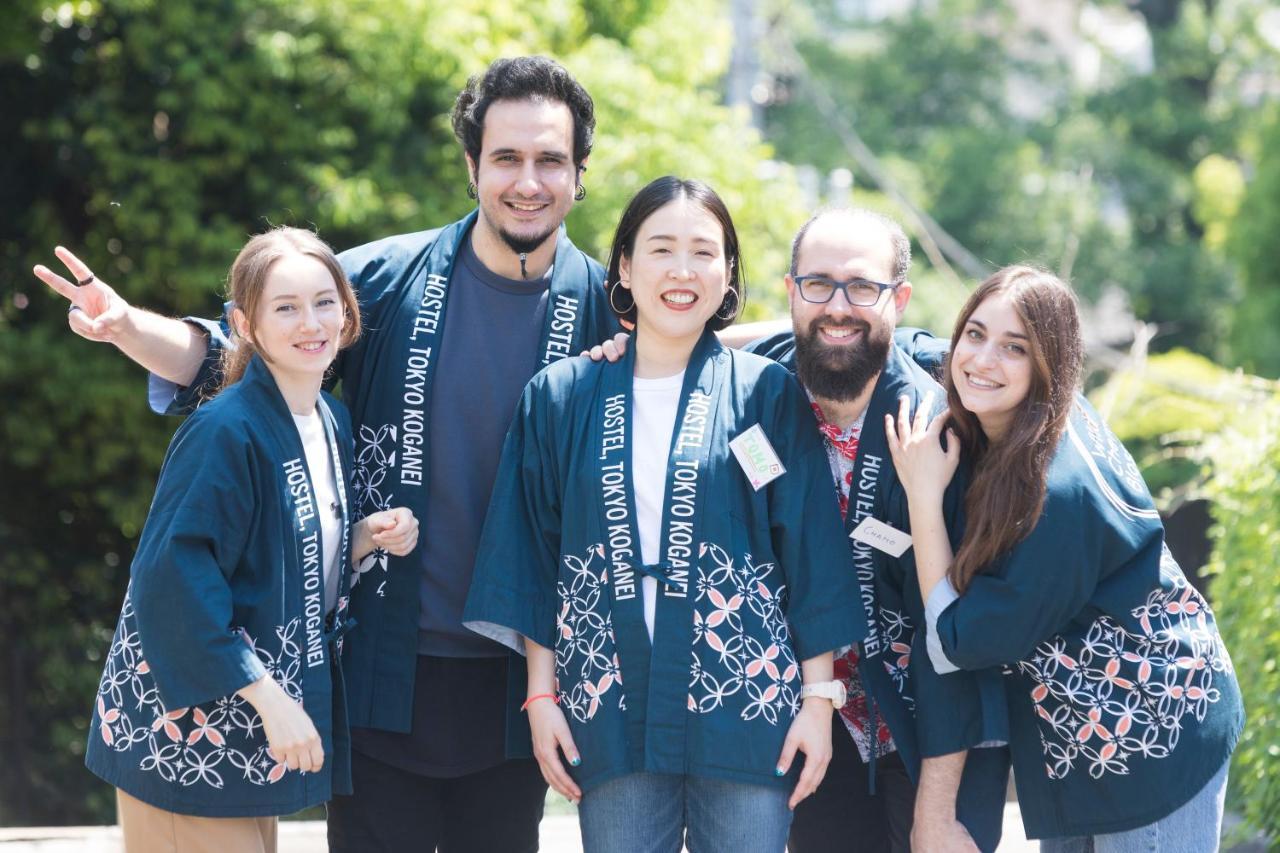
{"points": [[677, 272], [525, 178], [991, 363], [841, 347], [298, 321]]}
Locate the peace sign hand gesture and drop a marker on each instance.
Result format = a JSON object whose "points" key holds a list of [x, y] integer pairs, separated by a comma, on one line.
{"points": [[96, 311]]}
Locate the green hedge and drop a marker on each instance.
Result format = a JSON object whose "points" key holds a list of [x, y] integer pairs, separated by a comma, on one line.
{"points": [[1245, 491], [1199, 430], [1164, 408]]}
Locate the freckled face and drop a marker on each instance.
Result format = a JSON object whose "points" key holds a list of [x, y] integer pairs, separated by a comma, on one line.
{"points": [[299, 319], [991, 365]]}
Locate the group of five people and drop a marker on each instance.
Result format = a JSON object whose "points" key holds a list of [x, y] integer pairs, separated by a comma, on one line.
{"points": [[817, 592]]}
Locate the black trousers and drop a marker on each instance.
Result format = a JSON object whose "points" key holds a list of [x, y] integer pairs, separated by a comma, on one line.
{"points": [[843, 815], [392, 810]]}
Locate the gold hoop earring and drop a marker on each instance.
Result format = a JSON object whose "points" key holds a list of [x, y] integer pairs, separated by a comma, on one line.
{"points": [[722, 314], [613, 292]]}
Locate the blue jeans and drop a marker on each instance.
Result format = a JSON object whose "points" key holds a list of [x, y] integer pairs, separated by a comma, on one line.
{"points": [[1195, 827], [651, 812]]}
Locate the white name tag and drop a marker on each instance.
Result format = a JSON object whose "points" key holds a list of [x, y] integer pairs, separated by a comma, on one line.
{"points": [[755, 455], [881, 536]]}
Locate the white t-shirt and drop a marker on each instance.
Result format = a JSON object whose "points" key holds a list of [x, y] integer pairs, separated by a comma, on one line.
{"points": [[320, 467], [656, 402]]}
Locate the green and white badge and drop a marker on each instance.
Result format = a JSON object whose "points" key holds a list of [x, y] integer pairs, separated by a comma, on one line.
{"points": [[756, 456]]}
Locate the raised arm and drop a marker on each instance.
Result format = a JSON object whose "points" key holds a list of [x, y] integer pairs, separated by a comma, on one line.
{"points": [[165, 346]]}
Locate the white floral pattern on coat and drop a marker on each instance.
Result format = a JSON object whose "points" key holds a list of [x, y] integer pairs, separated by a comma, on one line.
{"points": [[375, 456], [898, 632], [1113, 694], [197, 745], [586, 651], [739, 630], [742, 655]]}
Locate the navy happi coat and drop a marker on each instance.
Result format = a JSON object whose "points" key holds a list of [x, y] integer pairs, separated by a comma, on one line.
{"points": [[750, 582], [227, 586], [927, 713], [1123, 702]]}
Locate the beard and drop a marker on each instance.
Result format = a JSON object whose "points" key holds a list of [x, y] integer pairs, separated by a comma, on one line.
{"points": [[524, 245], [491, 219], [841, 374]]}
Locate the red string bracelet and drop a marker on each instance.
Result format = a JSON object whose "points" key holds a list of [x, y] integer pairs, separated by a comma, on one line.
{"points": [[553, 697]]}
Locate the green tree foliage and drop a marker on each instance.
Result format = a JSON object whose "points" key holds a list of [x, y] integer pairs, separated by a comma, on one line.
{"points": [[979, 116], [1157, 127], [153, 138], [1254, 245], [1246, 595]]}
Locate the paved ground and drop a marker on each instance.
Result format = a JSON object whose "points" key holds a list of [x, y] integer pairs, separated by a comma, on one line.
{"points": [[559, 835]]}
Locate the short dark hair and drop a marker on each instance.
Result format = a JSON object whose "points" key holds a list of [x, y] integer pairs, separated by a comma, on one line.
{"points": [[897, 237], [656, 194], [523, 78]]}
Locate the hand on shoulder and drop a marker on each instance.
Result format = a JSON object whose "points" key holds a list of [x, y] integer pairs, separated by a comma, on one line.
{"points": [[915, 443], [611, 350]]}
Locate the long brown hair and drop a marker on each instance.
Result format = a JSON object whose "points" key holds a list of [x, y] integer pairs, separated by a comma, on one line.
{"points": [[1007, 490], [249, 278]]}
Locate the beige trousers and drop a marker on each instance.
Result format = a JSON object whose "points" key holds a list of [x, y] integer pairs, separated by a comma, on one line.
{"points": [[148, 829]]}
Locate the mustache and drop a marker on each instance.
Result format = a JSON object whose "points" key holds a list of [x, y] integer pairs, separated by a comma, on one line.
{"points": [[837, 372], [847, 323]]}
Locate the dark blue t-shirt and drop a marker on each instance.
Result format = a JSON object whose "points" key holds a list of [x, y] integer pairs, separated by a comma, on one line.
{"points": [[488, 354]]}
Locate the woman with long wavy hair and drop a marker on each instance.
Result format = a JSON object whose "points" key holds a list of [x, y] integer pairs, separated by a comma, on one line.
{"points": [[1123, 706]]}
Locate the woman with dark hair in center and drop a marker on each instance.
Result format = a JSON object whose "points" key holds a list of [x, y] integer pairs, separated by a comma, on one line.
{"points": [[662, 546]]}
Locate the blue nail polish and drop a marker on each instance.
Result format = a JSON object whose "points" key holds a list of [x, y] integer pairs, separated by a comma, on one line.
{"points": [[778, 771], [576, 761]]}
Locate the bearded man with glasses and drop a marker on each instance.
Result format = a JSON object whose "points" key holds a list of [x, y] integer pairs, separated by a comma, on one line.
{"points": [[901, 722]]}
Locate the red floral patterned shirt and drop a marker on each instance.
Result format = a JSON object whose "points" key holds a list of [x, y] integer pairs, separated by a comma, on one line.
{"points": [[842, 451]]}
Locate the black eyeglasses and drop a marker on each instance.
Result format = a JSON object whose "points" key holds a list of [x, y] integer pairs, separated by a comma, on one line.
{"points": [[859, 291]]}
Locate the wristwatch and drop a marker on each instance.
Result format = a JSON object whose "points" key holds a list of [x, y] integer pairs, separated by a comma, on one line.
{"points": [[833, 690]]}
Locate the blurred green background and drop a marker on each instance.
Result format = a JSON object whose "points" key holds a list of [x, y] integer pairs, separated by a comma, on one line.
{"points": [[1132, 146]]}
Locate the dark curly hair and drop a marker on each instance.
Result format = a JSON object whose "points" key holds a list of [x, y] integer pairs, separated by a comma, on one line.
{"points": [[520, 79]]}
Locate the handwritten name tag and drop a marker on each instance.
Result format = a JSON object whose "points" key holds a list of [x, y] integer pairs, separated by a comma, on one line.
{"points": [[756, 456], [882, 537]]}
